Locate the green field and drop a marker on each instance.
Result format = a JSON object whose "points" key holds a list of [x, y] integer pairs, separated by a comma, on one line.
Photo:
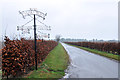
{"points": [[108, 55], [54, 65]]}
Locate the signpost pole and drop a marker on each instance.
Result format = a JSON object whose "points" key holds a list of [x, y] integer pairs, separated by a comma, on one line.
{"points": [[35, 43]]}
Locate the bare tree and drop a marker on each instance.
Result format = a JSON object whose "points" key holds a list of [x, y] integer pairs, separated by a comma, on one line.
{"points": [[57, 38]]}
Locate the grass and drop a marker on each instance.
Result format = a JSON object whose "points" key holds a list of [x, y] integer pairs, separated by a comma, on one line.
{"points": [[102, 53], [54, 65], [0, 74]]}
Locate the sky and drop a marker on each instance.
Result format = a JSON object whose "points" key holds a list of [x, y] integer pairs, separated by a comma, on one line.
{"points": [[78, 19]]}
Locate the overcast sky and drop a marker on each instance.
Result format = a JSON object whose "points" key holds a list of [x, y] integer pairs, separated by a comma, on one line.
{"points": [[79, 19]]}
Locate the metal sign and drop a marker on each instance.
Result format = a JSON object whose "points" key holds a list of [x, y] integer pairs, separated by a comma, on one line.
{"points": [[26, 29]]}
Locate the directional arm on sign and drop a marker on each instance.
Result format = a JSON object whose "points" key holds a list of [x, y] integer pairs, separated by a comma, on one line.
{"points": [[33, 12], [41, 34]]}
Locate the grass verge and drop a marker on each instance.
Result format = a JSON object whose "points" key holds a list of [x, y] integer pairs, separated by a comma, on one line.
{"points": [[54, 65], [0, 74], [102, 53]]}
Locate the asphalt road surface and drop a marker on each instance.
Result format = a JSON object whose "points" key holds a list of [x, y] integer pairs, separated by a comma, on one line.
{"points": [[84, 64]]}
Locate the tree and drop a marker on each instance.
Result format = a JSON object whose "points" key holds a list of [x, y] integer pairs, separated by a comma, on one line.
{"points": [[57, 38]]}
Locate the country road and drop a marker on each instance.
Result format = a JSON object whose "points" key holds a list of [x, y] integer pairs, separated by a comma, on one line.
{"points": [[84, 64]]}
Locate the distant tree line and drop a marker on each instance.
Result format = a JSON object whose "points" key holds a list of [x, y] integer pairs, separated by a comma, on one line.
{"points": [[85, 40]]}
